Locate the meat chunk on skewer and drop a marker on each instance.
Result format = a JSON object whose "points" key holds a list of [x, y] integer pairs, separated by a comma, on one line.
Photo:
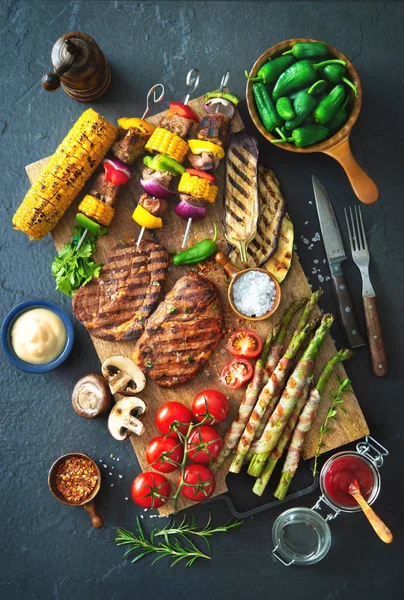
{"points": [[206, 161], [178, 125], [162, 177], [198, 202], [214, 128], [104, 190], [155, 206]]}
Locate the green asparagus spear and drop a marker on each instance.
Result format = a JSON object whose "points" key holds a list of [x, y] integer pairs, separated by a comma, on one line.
{"points": [[290, 396]]}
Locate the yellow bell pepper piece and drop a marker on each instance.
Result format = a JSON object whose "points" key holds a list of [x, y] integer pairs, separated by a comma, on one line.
{"points": [[135, 123], [145, 219], [199, 146]]}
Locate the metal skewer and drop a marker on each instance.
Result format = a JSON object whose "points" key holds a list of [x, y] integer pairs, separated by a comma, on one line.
{"points": [[192, 82], [156, 99], [223, 84]]}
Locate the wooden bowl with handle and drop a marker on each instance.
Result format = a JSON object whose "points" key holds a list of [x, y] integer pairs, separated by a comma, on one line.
{"points": [[338, 145]]}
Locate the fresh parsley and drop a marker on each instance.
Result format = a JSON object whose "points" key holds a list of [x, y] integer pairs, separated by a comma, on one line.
{"points": [[73, 268]]}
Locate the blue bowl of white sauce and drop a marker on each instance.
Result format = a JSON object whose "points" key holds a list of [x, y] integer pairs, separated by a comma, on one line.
{"points": [[37, 336]]}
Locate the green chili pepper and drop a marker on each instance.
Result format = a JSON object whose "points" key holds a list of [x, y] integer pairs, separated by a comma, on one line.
{"points": [[285, 108], [266, 108], [159, 162], [335, 74], [308, 49], [91, 225], [298, 76], [339, 119], [225, 95], [303, 105], [197, 253], [306, 136], [316, 89], [327, 107], [270, 72]]}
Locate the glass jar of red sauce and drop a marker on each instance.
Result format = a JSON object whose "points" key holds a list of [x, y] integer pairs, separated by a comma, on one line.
{"points": [[301, 535]]}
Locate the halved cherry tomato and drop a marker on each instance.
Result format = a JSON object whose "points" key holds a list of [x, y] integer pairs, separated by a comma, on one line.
{"points": [[164, 454], [204, 445], [244, 342], [236, 373], [199, 483], [172, 412], [201, 174], [150, 490], [213, 402], [182, 110]]}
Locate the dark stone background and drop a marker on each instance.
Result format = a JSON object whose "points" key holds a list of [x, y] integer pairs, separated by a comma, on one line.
{"points": [[51, 551]]}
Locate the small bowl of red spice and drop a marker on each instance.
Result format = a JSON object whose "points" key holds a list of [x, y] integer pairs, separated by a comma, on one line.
{"points": [[75, 479]]}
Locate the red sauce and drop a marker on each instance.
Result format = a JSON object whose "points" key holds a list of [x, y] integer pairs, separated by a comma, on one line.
{"points": [[342, 472]]}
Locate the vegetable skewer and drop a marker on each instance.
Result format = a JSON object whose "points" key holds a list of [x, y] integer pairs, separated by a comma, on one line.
{"points": [[290, 396], [303, 427], [121, 166], [237, 427]]}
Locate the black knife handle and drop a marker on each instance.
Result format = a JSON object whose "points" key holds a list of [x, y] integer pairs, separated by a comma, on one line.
{"points": [[346, 312]]}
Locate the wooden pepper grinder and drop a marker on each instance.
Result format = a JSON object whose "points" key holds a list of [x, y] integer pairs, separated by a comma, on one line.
{"points": [[80, 66]]}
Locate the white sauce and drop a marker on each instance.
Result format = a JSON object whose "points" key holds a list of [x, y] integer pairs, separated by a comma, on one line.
{"points": [[38, 336]]}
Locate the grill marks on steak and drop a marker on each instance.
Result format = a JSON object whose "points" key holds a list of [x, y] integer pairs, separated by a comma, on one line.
{"points": [[116, 305], [183, 332]]}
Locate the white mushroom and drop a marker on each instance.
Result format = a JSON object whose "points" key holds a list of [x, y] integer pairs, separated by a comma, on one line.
{"points": [[123, 376], [124, 418]]}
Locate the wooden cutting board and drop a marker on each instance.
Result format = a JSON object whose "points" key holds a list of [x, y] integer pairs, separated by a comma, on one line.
{"points": [[351, 424]]}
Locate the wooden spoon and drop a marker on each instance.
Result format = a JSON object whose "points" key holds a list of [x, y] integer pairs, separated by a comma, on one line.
{"points": [[381, 529]]}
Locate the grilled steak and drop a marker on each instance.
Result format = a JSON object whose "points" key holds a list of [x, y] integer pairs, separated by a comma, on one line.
{"points": [[181, 335], [116, 305]]}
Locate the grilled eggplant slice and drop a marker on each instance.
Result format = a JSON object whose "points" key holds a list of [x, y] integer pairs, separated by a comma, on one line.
{"points": [[279, 263], [241, 206], [272, 211]]}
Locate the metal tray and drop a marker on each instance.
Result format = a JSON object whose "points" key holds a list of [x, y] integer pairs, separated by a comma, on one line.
{"points": [[243, 503]]}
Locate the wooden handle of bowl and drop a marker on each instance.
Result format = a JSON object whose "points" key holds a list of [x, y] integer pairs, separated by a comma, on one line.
{"points": [[227, 265], [363, 186], [96, 520]]}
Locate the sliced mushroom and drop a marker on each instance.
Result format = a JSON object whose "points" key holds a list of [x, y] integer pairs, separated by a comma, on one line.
{"points": [[91, 396], [124, 418], [123, 376]]}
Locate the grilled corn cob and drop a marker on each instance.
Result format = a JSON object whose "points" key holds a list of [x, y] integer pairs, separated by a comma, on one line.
{"points": [[65, 174], [164, 142], [197, 187], [96, 209]]}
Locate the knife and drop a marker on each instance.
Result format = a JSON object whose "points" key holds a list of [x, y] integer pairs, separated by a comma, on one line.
{"points": [[335, 253]]}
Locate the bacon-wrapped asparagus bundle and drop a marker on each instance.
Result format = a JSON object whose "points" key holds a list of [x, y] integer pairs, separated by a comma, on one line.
{"points": [[271, 392], [290, 396], [262, 481], [237, 427], [304, 424]]}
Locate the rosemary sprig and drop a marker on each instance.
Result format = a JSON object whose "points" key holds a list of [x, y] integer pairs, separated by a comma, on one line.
{"points": [[172, 546], [337, 400]]}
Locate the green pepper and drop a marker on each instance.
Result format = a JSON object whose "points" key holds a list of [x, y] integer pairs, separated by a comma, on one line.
{"points": [[266, 108], [303, 105], [298, 76], [159, 162], [306, 136], [316, 89], [339, 119], [91, 225], [335, 74], [327, 107], [270, 72], [308, 49], [225, 95], [285, 108], [197, 253]]}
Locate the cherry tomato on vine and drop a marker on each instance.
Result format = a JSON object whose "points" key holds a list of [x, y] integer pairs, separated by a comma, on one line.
{"points": [[170, 412], [200, 483], [162, 452], [150, 490], [236, 373], [245, 343], [204, 445], [215, 402]]}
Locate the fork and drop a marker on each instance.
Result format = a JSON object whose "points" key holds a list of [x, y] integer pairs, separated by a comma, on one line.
{"points": [[361, 257]]}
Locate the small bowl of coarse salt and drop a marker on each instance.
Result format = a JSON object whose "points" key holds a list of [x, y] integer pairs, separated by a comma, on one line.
{"points": [[254, 293]]}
